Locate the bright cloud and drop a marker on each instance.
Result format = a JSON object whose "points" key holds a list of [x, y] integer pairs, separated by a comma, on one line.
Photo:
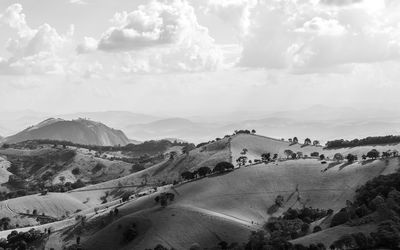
{"points": [[38, 51], [308, 37], [160, 36]]}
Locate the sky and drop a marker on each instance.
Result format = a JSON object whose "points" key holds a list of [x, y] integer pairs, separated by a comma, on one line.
{"points": [[189, 57]]}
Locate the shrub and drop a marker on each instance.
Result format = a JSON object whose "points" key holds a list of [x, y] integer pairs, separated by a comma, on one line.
{"points": [[314, 154], [76, 171]]}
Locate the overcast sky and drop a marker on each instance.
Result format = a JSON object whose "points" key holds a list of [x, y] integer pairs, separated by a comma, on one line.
{"points": [[196, 57]]}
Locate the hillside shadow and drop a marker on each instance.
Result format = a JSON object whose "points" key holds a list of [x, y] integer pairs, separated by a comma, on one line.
{"points": [[345, 165], [219, 174], [304, 145], [331, 165], [367, 161]]}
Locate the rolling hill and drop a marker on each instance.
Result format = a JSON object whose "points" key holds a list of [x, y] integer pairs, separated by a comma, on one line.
{"points": [[78, 131], [229, 206], [223, 207]]}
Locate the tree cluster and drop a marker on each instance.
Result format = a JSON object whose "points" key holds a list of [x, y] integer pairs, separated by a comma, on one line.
{"points": [[373, 140]]}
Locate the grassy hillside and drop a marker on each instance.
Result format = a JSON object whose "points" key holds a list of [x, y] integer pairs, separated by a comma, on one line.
{"points": [[225, 206]]}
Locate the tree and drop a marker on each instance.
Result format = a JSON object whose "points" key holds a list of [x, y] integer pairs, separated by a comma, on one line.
{"points": [[76, 171], [253, 131], [62, 179], [338, 157], [203, 171], [266, 157], [315, 143], [223, 166], [241, 161], [373, 154], [5, 223], [288, 153], [351, 158], [295, 140], [314, 154], [307, 141], [187, 175]]}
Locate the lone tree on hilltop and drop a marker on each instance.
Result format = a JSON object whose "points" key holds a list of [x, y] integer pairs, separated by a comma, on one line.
{"points": [[295, 140], [315, 143], [307, 141]]}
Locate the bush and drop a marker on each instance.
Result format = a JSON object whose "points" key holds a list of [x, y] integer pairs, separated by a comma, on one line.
{"points": [[314, 154], [76, 171]]}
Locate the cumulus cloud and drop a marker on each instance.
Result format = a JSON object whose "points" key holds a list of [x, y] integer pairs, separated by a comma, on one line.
{"points": [[160, 35], [236, 12], [32, 50], [306, 37], [89, 44]]}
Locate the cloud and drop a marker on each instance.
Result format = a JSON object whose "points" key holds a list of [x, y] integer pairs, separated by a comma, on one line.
{"points": [[339, 2], [33, 51], [304, 37], [89, 44], [323, 27], [159, 36], [79, 2], [235, 12]]}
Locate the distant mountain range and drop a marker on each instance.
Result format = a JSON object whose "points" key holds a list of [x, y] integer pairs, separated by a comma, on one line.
{"points": [[80, 131], [322, 122]]}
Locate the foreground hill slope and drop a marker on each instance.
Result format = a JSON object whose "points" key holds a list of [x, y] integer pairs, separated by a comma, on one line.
{"points": [[225, 206], [229, 206], [79, 131]]}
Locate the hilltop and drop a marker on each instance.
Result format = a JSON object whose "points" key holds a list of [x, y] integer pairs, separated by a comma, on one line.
{"points": [[78, 131]]}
